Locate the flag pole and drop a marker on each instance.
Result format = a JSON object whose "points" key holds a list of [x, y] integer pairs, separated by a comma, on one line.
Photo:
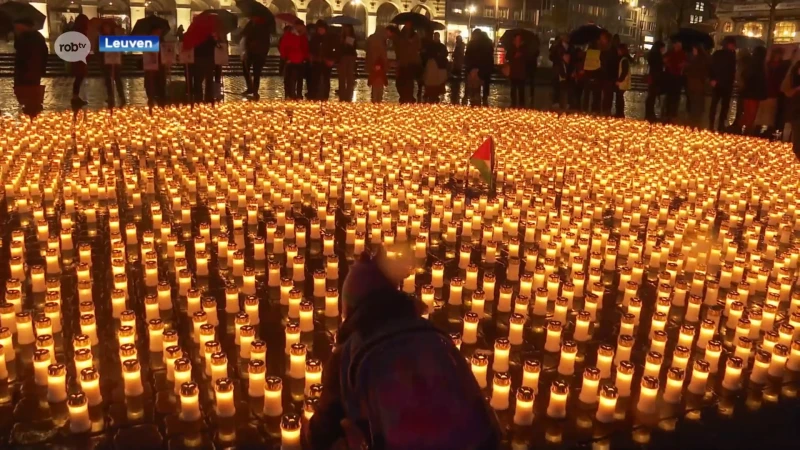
{"points": [[491, 168]]}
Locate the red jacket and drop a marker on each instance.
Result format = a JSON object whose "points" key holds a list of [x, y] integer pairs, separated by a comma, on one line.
{"points": [[294, 48]]}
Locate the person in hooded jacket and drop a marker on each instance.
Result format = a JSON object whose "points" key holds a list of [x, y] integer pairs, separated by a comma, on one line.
{"points": [[294, 49], [394, 381]]}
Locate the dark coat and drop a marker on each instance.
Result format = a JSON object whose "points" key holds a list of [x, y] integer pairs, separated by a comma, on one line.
{"points": [[323, 47], [723, 68], [755, 80], [518, 58], [697, 72], [402, 382], [480, 55], [30, 59], [257, 38]]}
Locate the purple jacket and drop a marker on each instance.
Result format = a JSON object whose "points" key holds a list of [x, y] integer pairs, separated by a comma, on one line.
{"points": [[402, 382]]}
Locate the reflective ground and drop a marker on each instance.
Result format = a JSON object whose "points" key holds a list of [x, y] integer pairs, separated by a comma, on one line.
{"points": [[59, 92]]}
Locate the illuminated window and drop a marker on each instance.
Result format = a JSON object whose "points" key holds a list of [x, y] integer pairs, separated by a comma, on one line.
{"points": [[695, 19], [699, 6], [502, 13], [728, 27], [785, 31], [753, 29]]}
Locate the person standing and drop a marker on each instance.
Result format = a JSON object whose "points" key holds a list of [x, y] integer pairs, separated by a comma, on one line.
{"points": [[487, 65], [155, 80], [674, 65], [594, 72], [609, 62], [770, 111], [458, 58], [655, 80], [623, 81], [791, 89], [322, 50], [204, 69], [754, 89], [30, 64], [377, 63], [79, 68], [557, 50], [407, 47], [256, 35], [111, 71], [697, 70], [517, 60], [294, 49], [532, 65], [566, 81], [722, 76], [435, 75], [346, 65]]}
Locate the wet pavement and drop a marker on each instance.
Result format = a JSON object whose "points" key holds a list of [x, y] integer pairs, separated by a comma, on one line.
{"points": [[58, 92]]}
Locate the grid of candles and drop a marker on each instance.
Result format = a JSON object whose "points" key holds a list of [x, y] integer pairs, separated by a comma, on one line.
{"points": [[620, 269]]}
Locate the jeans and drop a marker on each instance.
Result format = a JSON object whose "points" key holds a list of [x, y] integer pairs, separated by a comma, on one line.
{"points": [[720, 96], [653, 92], [517, 93], [347, 77], [112, 76], [293, 81], [253, 67], [619, 98]]}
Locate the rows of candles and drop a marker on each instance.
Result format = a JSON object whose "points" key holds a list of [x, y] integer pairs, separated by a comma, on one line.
{"points": [[618, 267]]}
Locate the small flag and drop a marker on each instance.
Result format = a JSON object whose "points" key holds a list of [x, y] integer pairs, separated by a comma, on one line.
{"points": [[483, 160]]}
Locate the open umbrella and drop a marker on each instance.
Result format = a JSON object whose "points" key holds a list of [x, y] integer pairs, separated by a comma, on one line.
{"points": [[585, 34], [343, 20], [149, 24], [691, 37], [507, 39], [19, 11], [286, 17], [6, 25], [437, 26], [227, 19], [202, 27], [417, 20], [258, 29]]}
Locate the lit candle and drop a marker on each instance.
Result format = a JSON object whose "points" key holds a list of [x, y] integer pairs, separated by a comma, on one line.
{"points": [[569, 351], [41, 361], [712, 355], [608, 404], [761, 365], [624, 378], [132, 377], [79, 421], [502, 349], [700, 371], [297, 361], [290, 432], [591, 381], [190, 402], [523, 412], [647, 395], [652, 365], [480, 363], [56, 383], [501, 387], [273, 390], [624, 347], [778, 363], [223, 391], [530, 374], [557, 407], [90, 385]]}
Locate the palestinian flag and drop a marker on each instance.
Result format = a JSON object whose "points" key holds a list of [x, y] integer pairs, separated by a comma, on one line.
{"points": [[483, 160]]}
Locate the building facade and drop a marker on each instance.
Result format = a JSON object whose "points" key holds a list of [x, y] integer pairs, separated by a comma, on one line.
{"points": [[372, 13], [494, 17], [751, 18]]}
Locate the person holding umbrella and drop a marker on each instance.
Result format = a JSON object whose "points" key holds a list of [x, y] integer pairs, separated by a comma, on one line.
{"points": [[256, 35], [517, 70], [723, 75], [557, 50], [30, 63], [377, 62], [322, 50], [346, 64], [294, 48], [407, 47], [696, 79]]}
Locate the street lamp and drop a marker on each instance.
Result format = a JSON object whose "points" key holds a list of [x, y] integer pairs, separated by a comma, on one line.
{"points": [[471, 11]]}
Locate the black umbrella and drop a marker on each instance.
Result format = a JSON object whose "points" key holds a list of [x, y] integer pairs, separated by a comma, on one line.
{"points": [[252, 8], [585, 34], [19, 11], [691, 38], [6, 25], [149, 24], [437, 26], [507, 39], [417, 20], [228, 19]]}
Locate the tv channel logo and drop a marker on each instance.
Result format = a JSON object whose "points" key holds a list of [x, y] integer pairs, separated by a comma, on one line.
{"points": [[73, 46], [129, 44]]}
